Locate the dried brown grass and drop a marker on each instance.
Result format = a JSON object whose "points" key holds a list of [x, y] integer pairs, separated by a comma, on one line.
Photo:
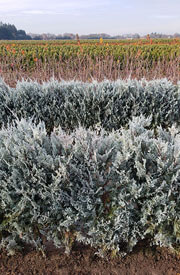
{"points": [[86, 69]]}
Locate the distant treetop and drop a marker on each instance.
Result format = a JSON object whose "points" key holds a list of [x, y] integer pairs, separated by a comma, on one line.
{"points": [[9, 32]]}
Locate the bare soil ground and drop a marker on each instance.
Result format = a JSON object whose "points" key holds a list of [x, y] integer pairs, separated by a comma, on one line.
{"points": [[82, 261]]}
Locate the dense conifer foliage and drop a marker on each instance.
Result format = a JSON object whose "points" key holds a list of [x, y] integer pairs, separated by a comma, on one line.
{"points": [[97, 163]]}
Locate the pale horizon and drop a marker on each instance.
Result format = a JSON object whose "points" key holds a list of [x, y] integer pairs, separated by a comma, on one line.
{"points": [[95, 16]]}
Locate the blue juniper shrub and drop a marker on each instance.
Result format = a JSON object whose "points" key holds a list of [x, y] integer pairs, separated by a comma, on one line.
{"points": [[106, 189], [73, 104]]}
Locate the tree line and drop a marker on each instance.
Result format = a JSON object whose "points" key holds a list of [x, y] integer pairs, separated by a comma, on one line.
{"points": [[10, 32]]}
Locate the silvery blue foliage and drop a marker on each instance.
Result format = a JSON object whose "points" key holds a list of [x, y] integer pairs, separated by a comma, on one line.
{"points": [[151, 159], [109, 190], [6, 104], [73, 104], [28, 100], [109, 104], [26, 172]]}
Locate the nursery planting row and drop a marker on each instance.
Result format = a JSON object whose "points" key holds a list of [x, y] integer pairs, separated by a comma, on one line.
{"points": [[107, 104], [109, 190]]}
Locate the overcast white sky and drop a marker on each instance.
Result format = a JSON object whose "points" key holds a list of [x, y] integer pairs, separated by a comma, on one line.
{"points": [[92, 16]]}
